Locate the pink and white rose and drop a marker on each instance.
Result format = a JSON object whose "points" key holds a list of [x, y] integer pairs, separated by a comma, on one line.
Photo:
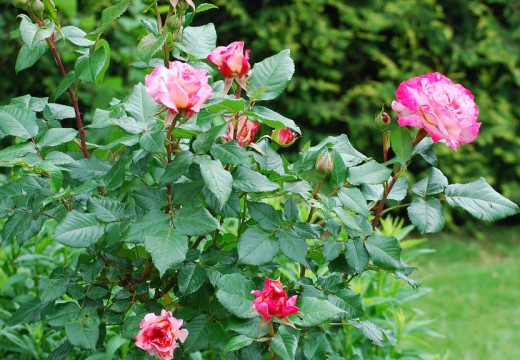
{"points": [[159, 334], [272, 301], [243, 131], [231, 60], [179, 87], [443, 109], [284, 137]]}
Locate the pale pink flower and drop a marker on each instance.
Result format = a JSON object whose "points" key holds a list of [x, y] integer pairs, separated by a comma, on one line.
{"points": [[231, 60], [272, 301], [159, 334], [434, 103], [284, 137], [244, 133], [180, 87]]}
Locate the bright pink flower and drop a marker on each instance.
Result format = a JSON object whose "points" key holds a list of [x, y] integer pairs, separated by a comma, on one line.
{"points": [[244, 133], [231, 60], [159, 334], [434, 103], [179, 87], [273, 302], [284, 137]]}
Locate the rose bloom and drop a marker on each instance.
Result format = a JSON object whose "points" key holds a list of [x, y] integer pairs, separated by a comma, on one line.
{"points": [[443, 109], [272, 301], [179, 87], [245, 132], [159, 334], [231, 60], [284, 137]]}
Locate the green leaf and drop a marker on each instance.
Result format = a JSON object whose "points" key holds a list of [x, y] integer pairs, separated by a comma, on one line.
{"points": [[230, 106], [230, 153], [167, 247], [32, 34], [356, 255], [84, 332], [62, 313], [64, 84], [108, 210], [191, 278], [369, 173], [110, 14], [247, 180], [204, 141], [177, 168], [265, 215], [272, 118], [88, 169], [199, 41], [30, 102], [372, 332], [199, 330], [384, 251], [270, 160], [19, 122], [56, 136], [401, 142], [116, 176], [435, 183], [331, 250], [78, 229], [234, 293], [58, 112], [426, 215], [76, 36], [290, 211], [338, 176], [238, 342], [6, 204], [49, 6], [28, 312], [141, 106], [315, 311], [15, 225], [27, 57], [292, 245], [256, 247], [205, 7], [150, 224], [316, 346], [353, 200], [195, 221], [217, 179], [270, 77], [349, 301], [480, 200], [61, 352], [149, 45], [153, 141], [285, 346], [89, 67], [54, 286], [150, 198]]}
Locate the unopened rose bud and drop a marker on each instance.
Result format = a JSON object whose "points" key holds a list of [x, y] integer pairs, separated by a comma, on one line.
{"points": [[284, 137], [325, 163], [383, 120], [21, 4], [37, 8]]}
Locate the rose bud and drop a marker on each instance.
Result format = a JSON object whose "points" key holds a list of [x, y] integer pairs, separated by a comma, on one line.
{"points": [[231, 60], [272, 302], [325, 163], [284, 137], [244, 133]]}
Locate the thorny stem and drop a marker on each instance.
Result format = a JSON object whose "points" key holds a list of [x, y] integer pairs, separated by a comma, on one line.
{"points": [[271, 333], [169, 150], [311, 213]]}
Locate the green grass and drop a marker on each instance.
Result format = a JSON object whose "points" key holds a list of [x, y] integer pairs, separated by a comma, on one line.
{"points": [[476, 294]]}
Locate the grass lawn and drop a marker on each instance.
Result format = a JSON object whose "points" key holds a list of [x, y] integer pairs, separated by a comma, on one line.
{"points": [[476, 294]]}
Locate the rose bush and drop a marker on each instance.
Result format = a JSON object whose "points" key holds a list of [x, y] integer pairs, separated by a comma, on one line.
{"points": [[167, 203]]}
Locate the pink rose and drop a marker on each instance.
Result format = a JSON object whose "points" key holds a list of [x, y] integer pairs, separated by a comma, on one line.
{"points": [[244, 133], [284, 137], [273, 302], [159, 334], [443, 109], [231, 60], [180, 87]]}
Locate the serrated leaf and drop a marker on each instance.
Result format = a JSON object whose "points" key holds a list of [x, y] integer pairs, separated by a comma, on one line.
{"points": [[356, 255], [199, 331], [30, 102], [32, 34], [58, 112], [191, 278], [401, 142], [480, 200], [27, 57], [195, 221], [56, 136], [64, 84], [28, 312], [231, 106], [315, 311], [230, 153], [270, 77], [272, 118], [285, 346], [88, 169], [316, 346], [269, 160], [205, 140], [265, 215], [78, 229], [199, 41], [217, 179], [167, 247], [256, 247], [369, 173], [153, 141], [353, 200], [234, 293], [435, 183], [84, 332], [178, 167], [292, 245], [149, 45], [290, 211], [384, 251], [76, 36], [89, 67], [247, 180], [426, 215], [62, 313], [17, 121], [150, 224], [237, 343], [61, 352], [331, 250], [108, 210], [15, 225], [140, 105], [373, 332], [116, 175], [110, 14], [349, 301]]}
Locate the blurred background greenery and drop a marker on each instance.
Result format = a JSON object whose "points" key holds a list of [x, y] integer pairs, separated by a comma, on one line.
{"points": [[350, 57]]}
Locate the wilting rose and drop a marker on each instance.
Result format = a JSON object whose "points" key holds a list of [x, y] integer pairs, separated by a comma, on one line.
{"points": [[244, 133], [231, 60], [179, 87], [284, 137], [272, 301], [159, 334], [443, 109]]}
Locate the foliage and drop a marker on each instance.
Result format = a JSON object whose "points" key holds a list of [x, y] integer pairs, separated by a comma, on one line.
{"points": [[160, 212]]}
